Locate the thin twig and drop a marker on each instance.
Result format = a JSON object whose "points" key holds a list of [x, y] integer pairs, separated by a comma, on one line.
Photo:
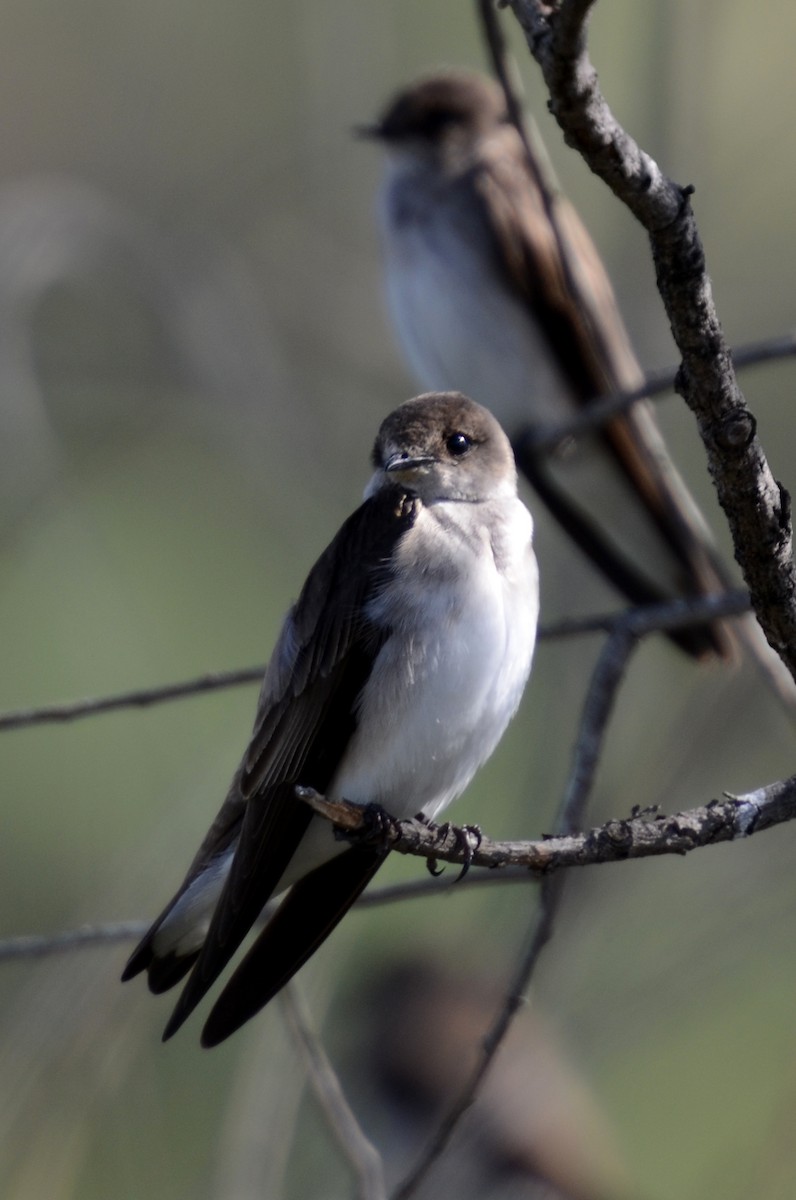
{"points": [[649, 618], [503, 67], [41, 945], [358, 1150], [141, 698], [544, 437], [672, 615], [38, 945], [604, 685], [419, 889], [598, 706], [514, 1000]]}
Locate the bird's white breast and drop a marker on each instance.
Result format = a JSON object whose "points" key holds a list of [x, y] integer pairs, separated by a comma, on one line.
{"points": [[459, 324], [444, 688]]}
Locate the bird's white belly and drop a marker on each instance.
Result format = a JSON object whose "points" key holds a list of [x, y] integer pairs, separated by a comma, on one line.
{"points": [[438, 701], [460, 335]]}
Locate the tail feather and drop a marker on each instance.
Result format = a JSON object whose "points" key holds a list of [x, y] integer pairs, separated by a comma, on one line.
{"points": [[304, 919], [163, 970], [140, 960], [164, 973]]}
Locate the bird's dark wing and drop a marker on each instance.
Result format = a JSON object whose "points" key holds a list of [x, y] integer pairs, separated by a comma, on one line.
{"points": [[304, 919], [305, 717], [555, 269]]}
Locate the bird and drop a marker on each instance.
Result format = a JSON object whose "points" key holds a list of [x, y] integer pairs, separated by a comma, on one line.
{"points": [[533, 1131], [392, 680], [496, 288]]}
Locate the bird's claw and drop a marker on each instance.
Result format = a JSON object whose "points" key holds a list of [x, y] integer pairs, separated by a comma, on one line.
{"points": [[467, 839], [378, 827]]}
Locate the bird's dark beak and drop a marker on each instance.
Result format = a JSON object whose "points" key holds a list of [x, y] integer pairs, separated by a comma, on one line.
{"points": [[371, 133], [405, 462]]}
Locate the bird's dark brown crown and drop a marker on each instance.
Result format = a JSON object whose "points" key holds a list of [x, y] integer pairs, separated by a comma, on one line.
{"points": [[447, 426], [432, 107]]}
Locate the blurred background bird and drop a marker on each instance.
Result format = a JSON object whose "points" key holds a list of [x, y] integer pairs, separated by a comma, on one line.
{"points": [[496, 288], [534, 1132]]}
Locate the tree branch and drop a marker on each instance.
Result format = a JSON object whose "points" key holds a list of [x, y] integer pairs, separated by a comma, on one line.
{"points": [[359, 1151], [603, 688], [490, 1044], [645, 834], [653, 618], [37, 945], [546, 436], [757, 508], [674, 614], [50, 714]]}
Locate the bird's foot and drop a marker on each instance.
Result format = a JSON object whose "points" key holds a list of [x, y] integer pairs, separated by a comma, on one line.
{"points": [[467, 839], [379, 828]]}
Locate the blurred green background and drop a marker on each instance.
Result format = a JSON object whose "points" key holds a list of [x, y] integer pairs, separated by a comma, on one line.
{"points": [[194, 358]]}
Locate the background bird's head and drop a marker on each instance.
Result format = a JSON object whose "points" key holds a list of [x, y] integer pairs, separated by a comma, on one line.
{"points": [[444, 446], [439, 117]]}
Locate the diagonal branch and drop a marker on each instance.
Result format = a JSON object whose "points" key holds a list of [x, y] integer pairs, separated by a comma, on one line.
{"points": [[757, 508], [603, 689], [360, 1153]]}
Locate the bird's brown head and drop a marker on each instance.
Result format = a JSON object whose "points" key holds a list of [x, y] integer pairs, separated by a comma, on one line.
{"points": [[444, 108], [444, 446]]}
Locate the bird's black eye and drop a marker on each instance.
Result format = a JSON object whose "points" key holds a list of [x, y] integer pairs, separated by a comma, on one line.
{"points": [[436, 120], [458, 444]]}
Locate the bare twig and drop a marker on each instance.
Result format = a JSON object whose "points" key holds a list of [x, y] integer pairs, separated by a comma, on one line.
{"points": [[57, 713], [646, 835], [680, 613], [41, 945], [598, 706], [418, 889], [38, 945], [362, 1155], [504, 69], [757, 508], [490, 1044], [672, 615], [547, 436], [604, 685]]}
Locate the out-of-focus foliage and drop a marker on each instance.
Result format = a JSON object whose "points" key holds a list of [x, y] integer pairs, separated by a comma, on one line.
{"points": [[193, 360]]}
